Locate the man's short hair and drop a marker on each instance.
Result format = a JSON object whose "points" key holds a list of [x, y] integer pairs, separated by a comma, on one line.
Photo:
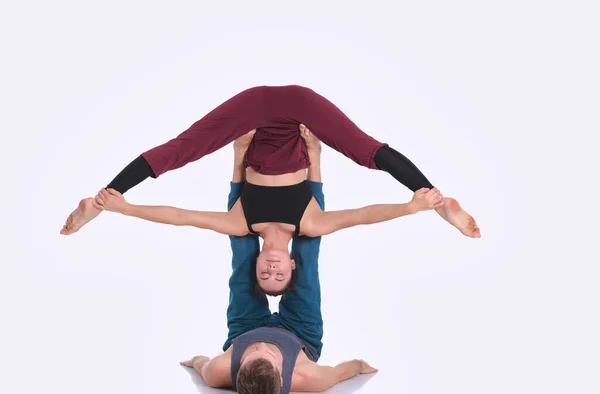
{"points": [[260, 377]]}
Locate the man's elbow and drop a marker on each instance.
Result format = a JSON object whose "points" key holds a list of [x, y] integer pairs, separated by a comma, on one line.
{"points": [[318, 386], [212, 382], [212, 379], [317, 383], [325, 384]]}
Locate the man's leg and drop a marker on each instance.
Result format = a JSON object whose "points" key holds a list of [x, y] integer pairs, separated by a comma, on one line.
{"points": [[300, 307], [248, 309]]}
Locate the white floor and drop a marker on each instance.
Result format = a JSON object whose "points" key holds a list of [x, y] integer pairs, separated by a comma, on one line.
{"points": [[497, 104]]}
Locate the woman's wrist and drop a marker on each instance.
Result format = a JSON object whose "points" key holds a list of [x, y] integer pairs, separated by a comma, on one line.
{"points": [[127, 209], [412, 208]]}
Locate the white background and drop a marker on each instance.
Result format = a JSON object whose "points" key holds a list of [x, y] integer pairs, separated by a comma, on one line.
{"points": [[497, 103]]}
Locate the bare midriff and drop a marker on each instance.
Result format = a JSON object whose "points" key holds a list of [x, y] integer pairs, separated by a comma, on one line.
{"points": [[292, 178]]}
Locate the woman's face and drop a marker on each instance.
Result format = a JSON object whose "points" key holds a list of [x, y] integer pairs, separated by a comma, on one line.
{"points": [[274, 271]]}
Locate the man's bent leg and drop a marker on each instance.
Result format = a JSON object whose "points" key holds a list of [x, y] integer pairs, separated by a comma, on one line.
{"points": [[247, 309], [300, 307]]}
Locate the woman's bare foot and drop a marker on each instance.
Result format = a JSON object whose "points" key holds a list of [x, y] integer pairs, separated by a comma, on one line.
{"points": [[453, 213], [80, 216]]}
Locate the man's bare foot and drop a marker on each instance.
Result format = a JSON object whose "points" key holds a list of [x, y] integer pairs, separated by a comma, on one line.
{"points": [[195, 360], [313, 145], [240, 145], [453, 213], [80, 216]]}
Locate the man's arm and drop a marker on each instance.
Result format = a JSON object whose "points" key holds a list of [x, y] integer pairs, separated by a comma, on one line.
{"points": [[311, 377]]}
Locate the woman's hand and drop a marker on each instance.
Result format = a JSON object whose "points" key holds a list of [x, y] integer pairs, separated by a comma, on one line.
{"points": [[110, 200], [425, 199]]}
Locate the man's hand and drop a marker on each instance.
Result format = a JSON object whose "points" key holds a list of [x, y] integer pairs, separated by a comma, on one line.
{"points": [[366, 368], [195, 360], [425, 199], [110, 200], [241, 144]]}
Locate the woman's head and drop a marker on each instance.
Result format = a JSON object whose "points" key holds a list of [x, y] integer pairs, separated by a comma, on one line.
{"points": [[274, 269]]}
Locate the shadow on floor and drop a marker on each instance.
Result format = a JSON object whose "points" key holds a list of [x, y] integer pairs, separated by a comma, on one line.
{"points": [[348, 387], [201, 386]]}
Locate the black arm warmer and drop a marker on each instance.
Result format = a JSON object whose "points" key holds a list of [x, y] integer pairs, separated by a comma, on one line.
{"points": [[398, 166], [132, 175]]}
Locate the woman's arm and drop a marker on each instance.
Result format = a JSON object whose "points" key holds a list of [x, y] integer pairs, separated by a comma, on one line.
{"points": [[329, 222], [217, 221], [221, 222]]}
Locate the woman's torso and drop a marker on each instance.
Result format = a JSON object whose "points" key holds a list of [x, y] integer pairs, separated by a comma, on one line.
{"points": [[253, 177], [300, 203]]}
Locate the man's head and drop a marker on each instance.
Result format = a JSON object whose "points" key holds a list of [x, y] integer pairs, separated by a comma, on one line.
{"points": [[274, 269], [260, 371]]}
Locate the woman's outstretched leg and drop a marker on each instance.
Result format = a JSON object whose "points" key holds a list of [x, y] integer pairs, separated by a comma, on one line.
{"points": [[405, 172], [221, 126], [330, 125]]}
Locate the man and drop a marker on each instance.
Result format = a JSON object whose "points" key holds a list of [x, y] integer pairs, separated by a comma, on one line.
{"points": [[274, 353]]}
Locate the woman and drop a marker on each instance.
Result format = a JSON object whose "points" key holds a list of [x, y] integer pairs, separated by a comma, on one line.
{"points": [[275, 112], [276, 208]]}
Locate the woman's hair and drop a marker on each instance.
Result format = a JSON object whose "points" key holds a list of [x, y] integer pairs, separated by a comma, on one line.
{"points": [[260, 377]]}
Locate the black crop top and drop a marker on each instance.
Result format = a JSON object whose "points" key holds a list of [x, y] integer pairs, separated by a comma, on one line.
{"points": [[275, 204]]}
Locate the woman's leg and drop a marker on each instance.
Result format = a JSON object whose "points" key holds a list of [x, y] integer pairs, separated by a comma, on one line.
{"points": [[335, 129], [218, 128], [330, 125], [230, 120]]}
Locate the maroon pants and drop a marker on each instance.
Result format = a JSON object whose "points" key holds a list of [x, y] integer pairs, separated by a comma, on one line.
{"points": [[277, 148]]}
